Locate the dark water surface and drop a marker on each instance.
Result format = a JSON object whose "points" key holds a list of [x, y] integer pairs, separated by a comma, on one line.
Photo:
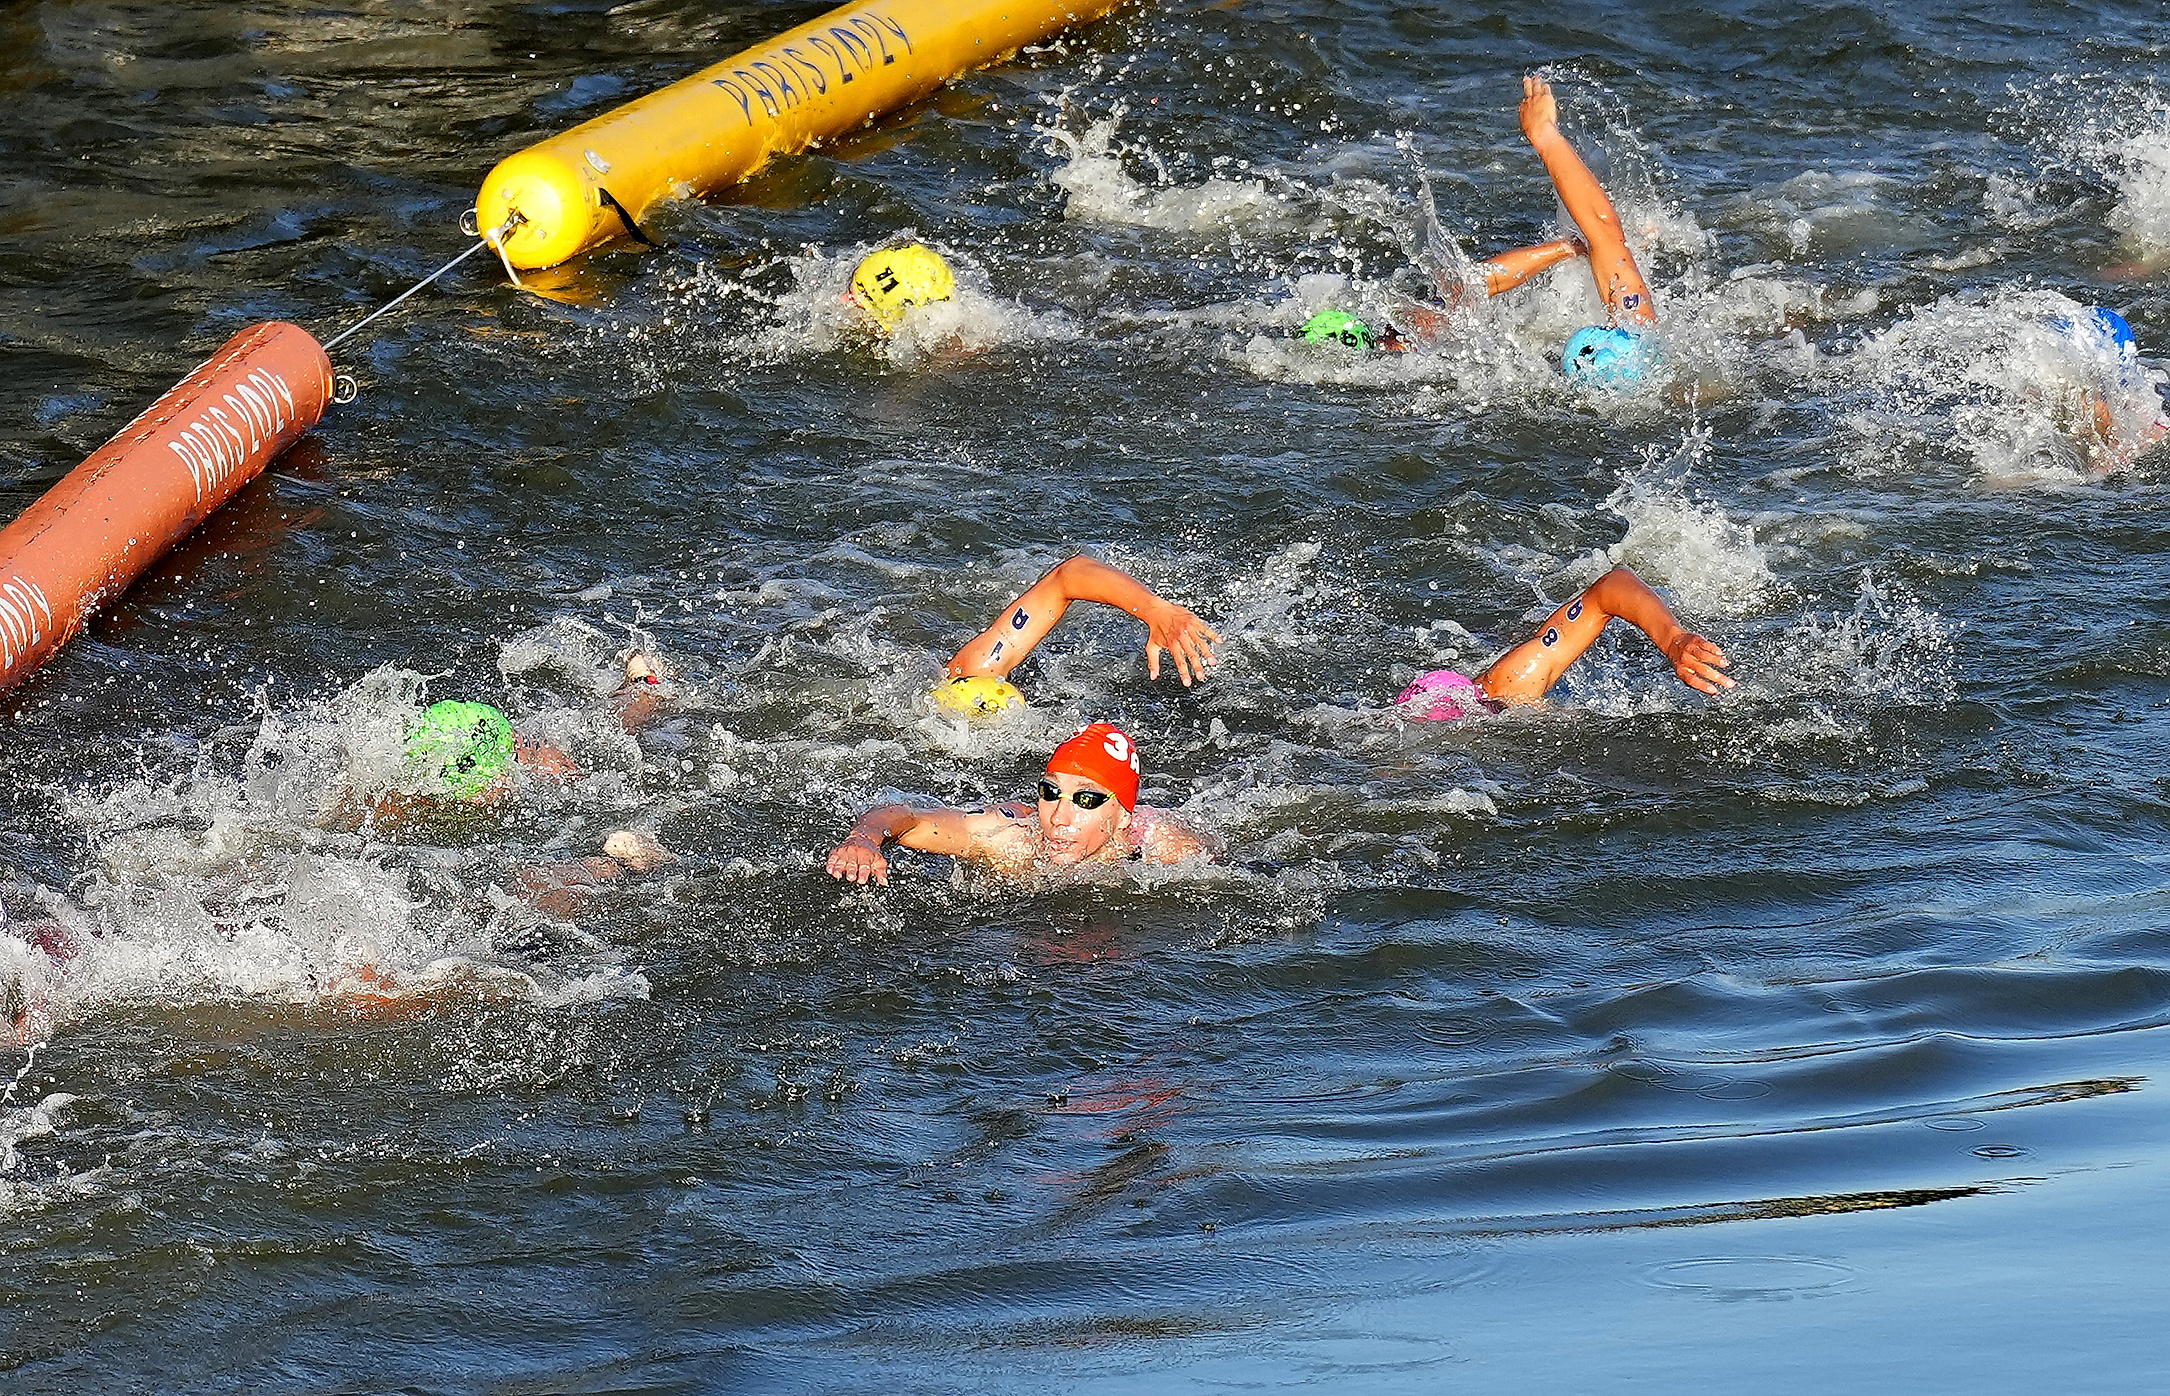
{"points": [[1801, 1040]]}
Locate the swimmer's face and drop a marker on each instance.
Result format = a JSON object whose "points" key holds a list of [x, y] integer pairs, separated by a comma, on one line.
{"points": [[1072, 833]]}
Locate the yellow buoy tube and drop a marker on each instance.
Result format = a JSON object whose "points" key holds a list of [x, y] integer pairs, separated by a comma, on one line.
{"points": [[820, 80]]}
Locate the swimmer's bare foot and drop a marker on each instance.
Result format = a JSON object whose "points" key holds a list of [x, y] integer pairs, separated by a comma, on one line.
{"points": [[637, 851], [1540, 112], [15, 1008], [644, 692]]}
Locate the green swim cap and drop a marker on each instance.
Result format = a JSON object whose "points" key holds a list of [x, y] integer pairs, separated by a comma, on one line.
{"points": [[466, 745], [1337, 327]]}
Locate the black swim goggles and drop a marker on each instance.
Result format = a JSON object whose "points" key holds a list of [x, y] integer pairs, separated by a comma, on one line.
{"points": [[1083, 799]]}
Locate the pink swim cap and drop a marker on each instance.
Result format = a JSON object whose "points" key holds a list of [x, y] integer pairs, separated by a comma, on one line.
{"points": [[1442, 696]]}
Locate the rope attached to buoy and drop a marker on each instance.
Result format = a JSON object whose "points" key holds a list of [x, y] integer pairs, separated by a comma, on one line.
{"points": [[494, 239]]}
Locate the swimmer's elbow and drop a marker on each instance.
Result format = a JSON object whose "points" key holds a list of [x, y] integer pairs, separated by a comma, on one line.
{"points": [[1072, 572]]}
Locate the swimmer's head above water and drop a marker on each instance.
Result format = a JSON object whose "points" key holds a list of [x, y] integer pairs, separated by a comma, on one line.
{"points": [[892, 280], [1088, 794], [1085, 810]]}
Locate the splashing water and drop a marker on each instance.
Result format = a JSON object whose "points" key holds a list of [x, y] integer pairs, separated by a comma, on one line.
{"points": [[1888, 650], [1099, 188], [1712, 563], [2118, 131], [2016, 384]]}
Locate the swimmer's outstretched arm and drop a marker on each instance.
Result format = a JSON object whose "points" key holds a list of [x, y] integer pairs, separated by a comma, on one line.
{"points": [[958, 833], [1026, 621], [1510, 269], [544, 759], [1527, 672], [1619, 280]]}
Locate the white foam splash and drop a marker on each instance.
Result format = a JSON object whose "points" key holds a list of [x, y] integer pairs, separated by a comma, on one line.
{"points": [[714, 318], [2007, 383], [19, 1124], [2119, 131], [1888, 649], [1711, 562], [1099, 188], [2140, 167], [817, 316], [265, 882]]}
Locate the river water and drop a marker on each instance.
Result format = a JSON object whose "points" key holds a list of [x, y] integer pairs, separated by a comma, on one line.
{"points": [[1805, 1038]]}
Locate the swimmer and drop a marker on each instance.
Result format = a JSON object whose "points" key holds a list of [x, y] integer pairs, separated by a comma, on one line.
{"points": [[35, 953], [1087, 812], [460, 757], [1523, 675], [1615, 354], [2105, 340], [976, 679], [889, 281]]}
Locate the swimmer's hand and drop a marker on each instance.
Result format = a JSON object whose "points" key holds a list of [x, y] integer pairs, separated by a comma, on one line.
{"points": [[1187, 639], [1698, 661], [857, 859], [1540, 113]]}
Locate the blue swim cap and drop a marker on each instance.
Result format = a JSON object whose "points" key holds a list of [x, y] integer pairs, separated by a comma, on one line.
{"points": [[1610, 357], [2105, 322], [2118, 330]]}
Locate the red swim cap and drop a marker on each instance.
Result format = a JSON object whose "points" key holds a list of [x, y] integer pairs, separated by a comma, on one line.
{"points": [[1104, 754]]}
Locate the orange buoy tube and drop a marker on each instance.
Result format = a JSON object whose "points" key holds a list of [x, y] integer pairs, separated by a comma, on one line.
{"points": [[90, 536], [820, 80]]}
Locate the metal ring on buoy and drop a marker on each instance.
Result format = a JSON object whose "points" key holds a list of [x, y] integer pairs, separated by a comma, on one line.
{"points": [[344, 388]]}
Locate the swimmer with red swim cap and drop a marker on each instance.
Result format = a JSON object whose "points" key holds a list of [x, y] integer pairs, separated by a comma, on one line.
{"points": [[1087, 812], [1523, 675], [976, 680], [1616, 354]]}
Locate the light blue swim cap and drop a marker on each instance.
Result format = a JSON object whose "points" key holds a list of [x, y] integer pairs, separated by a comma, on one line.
{"points": [[1608, 356]]}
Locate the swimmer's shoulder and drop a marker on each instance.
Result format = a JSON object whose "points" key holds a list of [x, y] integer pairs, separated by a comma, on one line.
{"points": [[1161, 837]]}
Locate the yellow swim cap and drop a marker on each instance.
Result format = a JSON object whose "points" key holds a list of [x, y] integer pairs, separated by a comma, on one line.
{"points": [[892, 280], [977, 695]]}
